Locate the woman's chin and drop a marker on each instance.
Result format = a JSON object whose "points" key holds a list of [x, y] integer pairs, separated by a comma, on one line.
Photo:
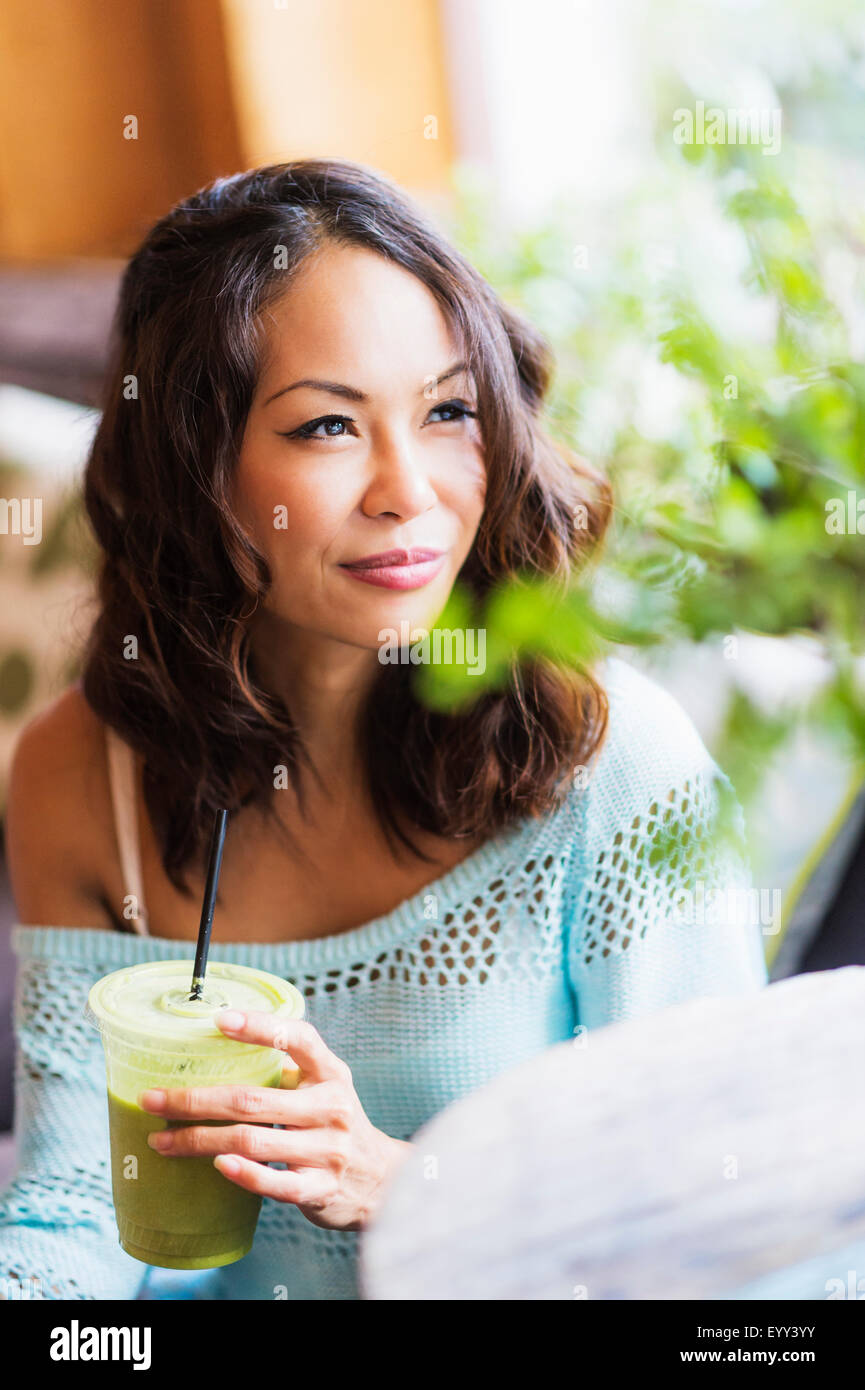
{"points": [[390, 608]]}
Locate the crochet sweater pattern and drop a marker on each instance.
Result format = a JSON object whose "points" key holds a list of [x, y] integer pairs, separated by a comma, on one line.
{"points": [[588, 916]]}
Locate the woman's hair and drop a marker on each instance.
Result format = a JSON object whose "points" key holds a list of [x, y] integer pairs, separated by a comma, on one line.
{"points": [[168, 662]]}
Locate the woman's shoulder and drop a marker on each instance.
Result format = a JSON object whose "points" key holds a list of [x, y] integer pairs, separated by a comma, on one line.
{"points": [[652, 753], [66, 716], [59, 748], [653, 791], [648, 731], [59, 829]]}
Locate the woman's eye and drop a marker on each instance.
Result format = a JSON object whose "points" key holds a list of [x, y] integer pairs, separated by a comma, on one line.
{"points": [[311, 428], [335, 426], [459, 410]]}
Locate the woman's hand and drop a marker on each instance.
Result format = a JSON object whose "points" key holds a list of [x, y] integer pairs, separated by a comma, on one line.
{"points": [[339, 1160]]}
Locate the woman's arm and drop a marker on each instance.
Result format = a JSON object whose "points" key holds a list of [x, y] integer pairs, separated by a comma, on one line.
{"points": [[662, 907], [58, 1238], [60, 842]]}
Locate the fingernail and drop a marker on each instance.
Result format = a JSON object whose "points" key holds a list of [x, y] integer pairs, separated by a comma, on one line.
{"points": [[231, 1019], [227, 1165], [152, 1100], [159, 1139]]}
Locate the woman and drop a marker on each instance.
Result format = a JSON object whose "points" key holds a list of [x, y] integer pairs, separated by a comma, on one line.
{"points": [[308, 386]]}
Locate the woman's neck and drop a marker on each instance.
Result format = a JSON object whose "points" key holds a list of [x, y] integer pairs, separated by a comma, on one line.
{"points": [[323, 684]]}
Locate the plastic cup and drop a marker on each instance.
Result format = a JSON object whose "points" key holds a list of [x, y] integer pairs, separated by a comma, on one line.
{"points": [[180, 1213]]}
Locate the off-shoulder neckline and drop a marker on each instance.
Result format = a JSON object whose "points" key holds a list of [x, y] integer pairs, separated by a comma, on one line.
{"points": [[501, 852]]}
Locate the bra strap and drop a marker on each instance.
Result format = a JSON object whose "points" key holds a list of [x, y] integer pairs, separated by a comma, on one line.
{"points": [[121, 775]]}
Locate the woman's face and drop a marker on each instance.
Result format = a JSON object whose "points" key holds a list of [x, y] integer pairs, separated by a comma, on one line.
{"points": [[351, 450]]}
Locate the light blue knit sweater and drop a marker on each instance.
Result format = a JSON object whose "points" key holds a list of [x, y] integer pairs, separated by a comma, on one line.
{"points": [[624, 900]]}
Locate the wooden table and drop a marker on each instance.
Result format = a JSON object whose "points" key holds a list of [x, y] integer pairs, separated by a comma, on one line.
{"points": [[713, 1150]]}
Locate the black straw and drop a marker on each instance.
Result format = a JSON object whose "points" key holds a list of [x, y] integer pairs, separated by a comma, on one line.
{"points": [[217, 842]]}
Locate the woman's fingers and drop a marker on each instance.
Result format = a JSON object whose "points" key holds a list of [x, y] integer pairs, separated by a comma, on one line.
{"points": [[308, 1187], [305, 1044], [317, 1148], [301, 1097], [291, 1076], [262, 1105]]}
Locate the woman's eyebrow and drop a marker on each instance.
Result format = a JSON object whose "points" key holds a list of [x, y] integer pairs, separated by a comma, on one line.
{"points": [[351, 393]]}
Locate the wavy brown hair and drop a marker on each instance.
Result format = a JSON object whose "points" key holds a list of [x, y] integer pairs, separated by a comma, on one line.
{"points": [[178, 573]]}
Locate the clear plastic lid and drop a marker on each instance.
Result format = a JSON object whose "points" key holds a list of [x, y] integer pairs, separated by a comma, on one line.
{"points": [[149, 1003]]}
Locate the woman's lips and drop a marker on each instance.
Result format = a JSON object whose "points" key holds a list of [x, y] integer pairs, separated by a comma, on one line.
{"points": [[397, 569]]}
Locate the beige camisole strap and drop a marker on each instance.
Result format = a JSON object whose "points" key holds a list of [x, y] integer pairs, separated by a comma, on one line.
{"points": [[122, 778]]}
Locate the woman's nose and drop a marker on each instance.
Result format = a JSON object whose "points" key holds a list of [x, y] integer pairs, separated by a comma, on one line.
{"points": [[400, 485]]}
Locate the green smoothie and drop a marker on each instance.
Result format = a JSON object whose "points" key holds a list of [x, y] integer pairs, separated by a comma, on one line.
{"points": [[168, 1207], [180, 1212]]}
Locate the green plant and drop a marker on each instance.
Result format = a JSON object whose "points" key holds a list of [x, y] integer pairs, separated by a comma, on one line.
{"points": [[746, 510]]}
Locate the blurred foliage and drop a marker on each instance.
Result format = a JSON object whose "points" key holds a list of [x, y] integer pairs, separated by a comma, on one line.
{"points": [[17, 676], [67, 548], [67, 540], [724, 396]]}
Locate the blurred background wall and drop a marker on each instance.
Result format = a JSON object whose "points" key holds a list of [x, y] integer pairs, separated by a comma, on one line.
{"points": [[211, 88]]}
